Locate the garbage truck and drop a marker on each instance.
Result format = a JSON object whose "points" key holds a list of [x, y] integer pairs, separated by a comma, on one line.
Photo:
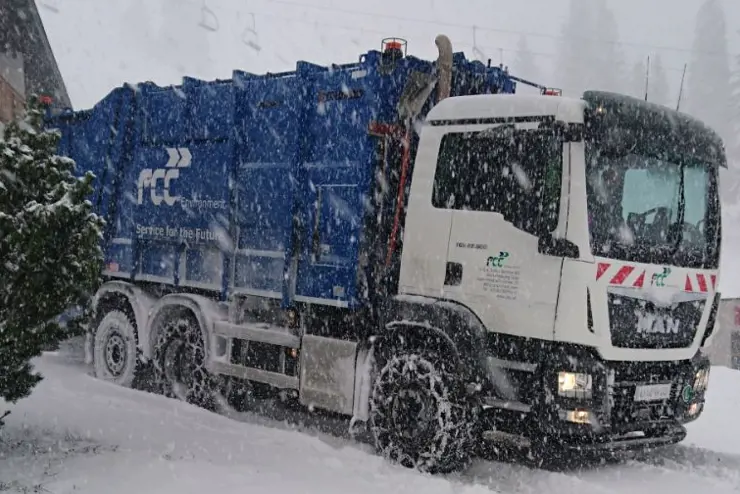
{"points": [[410, 245]]}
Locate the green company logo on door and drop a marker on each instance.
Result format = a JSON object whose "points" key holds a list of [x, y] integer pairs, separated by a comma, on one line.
{"points": [[497, 261]]}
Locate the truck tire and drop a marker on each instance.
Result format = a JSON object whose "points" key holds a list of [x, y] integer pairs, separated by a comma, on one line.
{"points": [[115, 356], [179, 362], [419, 416]]}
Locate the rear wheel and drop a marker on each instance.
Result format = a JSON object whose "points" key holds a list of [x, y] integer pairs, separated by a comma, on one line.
{"points": [[236, 393], [179, 360], [114, 348], [419, 416]]}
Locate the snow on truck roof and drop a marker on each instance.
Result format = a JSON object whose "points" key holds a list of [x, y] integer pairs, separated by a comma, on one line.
{"points": [[487, 106]]}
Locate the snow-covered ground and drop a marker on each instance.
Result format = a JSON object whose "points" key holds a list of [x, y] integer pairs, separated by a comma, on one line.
{"points": [[78, 434]]}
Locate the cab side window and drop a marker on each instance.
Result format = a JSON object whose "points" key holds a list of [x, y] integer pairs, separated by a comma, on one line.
{"points": [[517, 174]]}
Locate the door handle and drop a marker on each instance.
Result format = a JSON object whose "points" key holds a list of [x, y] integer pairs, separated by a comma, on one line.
{"points": [[453, 274]]}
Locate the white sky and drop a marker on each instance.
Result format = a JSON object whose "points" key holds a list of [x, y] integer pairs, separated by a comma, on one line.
{"points": [[97, 49]]}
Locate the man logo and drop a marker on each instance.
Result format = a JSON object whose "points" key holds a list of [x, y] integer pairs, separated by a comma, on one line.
{"points": [[148, 178], [648, 322]]}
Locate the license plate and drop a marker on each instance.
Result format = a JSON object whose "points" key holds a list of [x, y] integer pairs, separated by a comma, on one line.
{"points": [[652, 392]]}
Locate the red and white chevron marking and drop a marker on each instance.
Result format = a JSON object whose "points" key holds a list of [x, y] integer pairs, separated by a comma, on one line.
{"points": [[631, 276], [700, 282], [620, 274]]}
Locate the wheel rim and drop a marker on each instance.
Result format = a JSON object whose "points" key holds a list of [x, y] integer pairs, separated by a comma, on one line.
{"points": [[409, 421], [412, 411], [177, 366], [116, 354]]}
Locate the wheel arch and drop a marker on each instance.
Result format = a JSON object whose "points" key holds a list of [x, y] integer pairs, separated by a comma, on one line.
{"points": [[370, 355], [453, 328], [130, 298], [205, 311], [418, 333]]}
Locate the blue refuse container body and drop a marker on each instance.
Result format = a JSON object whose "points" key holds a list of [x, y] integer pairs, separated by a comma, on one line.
{"points": [[261, 184]]}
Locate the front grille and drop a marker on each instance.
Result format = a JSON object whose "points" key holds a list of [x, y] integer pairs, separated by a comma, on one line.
{"points": [[625, 411], [648, 372], [637, 323]]}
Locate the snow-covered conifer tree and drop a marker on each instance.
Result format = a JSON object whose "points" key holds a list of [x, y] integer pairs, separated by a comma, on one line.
{"points": [[50, 256]]}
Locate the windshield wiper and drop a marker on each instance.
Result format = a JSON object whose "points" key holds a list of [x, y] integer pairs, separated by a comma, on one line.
{"points": [[681, 210]]}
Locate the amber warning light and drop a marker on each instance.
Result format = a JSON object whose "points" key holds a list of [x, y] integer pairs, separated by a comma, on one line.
{"points": [[397, 45]]}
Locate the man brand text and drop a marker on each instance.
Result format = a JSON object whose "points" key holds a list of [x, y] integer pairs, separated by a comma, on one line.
{"points": [[656, 323]]}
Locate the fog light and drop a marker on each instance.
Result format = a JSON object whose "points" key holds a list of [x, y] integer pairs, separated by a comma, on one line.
{"points": [[574, 385], [578, 416], [693, 409], [701, 380]]}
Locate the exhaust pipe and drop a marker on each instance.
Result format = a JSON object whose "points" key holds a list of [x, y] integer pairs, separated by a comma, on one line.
{"points": [[444, 66]]}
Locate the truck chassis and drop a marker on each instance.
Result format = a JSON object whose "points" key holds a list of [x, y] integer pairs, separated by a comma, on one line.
{"points": [[193, 348]]}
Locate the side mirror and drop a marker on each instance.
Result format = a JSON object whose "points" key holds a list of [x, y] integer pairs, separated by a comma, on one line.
{"points": [[558, 247]]}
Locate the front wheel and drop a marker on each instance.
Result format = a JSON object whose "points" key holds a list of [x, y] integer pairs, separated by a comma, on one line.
{"points": [[419, 417]]}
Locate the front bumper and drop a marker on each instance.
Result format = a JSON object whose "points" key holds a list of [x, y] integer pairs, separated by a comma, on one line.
{"points": [[616, 443], [609, 419]]}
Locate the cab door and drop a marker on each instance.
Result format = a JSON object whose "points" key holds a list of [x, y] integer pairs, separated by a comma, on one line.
{"points": [[507, 205], [427, 228]]}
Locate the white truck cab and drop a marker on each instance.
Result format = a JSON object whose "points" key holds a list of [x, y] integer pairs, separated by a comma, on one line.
{"points": [[584, 235]]}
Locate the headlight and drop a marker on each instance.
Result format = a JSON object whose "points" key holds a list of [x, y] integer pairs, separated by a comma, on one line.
{"points": [[574, 385], [701, 380], [578, 416]]}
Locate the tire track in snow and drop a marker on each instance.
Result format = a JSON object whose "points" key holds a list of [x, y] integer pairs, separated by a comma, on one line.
{"points": [[700, 461], [513, 478], [631, 477]]}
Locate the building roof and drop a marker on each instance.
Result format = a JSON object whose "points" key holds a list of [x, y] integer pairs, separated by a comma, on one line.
{"points": [[22, 33]]}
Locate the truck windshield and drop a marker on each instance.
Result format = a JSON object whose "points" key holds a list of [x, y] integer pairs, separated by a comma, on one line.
{"points": [[651, 207]]}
